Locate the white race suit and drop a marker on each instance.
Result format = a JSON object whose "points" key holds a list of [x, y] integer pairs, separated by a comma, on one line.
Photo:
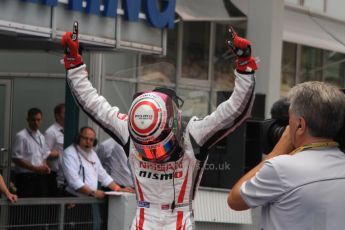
{"points": [[165, 191]]}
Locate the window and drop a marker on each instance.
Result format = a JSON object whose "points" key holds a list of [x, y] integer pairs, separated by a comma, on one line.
{"points": [[36, 92], [224, 60], [334, 68], [314, 65], [195, 102], [195, 52], [119, 72], [156, 69], [288, 67], [120, 65], [311, 64]]}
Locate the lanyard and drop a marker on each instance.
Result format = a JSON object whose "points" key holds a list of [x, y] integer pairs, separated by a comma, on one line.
{"points": [[37, 142], [315, 145], [81, 167], [85, 158]]}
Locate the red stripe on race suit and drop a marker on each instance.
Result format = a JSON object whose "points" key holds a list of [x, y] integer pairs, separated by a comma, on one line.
{"points": [[179, 220], [183, 189], [180, 200], [142, 210], [141, 219], [141, 194]]}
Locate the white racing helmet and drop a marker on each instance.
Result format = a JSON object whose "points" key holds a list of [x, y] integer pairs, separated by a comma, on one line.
{"points": [[155, 124]]}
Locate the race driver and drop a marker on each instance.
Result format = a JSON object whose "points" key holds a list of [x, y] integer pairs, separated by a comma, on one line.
{"points": [[166, 160]]}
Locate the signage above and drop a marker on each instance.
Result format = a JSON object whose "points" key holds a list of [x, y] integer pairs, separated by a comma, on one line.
{"points": [[156, 17]]}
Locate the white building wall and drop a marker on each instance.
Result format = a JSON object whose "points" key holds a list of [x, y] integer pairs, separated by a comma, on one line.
{"points": [[256, 218], [265, 30]]}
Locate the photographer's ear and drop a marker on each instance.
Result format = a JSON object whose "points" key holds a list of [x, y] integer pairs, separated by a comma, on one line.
{"points": [[301, 128]]}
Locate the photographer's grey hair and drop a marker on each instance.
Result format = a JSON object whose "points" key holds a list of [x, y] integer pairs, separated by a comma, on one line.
{"points": [[322, 105]]}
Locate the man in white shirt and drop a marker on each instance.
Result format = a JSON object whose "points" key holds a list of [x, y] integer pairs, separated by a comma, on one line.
{"points": [[301, 183], [29, 155], [54, 136], [83, 169], [115, 162]]}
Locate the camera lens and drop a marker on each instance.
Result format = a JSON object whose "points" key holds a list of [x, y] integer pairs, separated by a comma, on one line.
{"points": [[271, 131], [275, 133]]}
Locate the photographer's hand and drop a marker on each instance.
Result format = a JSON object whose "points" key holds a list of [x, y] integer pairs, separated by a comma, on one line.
{"points": [[284, 145]]}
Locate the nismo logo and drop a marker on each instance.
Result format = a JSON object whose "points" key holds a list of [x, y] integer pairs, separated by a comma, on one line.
{"points": [[158, 16], [160, 176]]}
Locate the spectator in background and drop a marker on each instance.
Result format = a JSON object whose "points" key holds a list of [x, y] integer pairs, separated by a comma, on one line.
{"points": [[3, 188], [115, 162], [54, 137], [82, 167], [302, 181], [29, 155], [83, 172]]}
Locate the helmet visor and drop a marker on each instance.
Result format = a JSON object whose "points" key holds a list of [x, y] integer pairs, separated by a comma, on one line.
{"points": [[157, 152]]}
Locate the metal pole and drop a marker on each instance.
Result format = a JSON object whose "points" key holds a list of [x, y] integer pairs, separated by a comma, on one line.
{"points": [[71, 118], [62, 216]]}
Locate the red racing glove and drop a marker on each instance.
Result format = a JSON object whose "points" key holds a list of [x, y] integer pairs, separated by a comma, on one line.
{"points": [[242, 49], [72, 58]]}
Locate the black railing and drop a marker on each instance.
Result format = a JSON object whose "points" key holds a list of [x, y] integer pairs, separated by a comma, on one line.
{"points": [[54, 214]]}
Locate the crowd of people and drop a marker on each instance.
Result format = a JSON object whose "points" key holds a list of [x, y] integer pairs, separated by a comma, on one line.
{"points": [[44, 169]]}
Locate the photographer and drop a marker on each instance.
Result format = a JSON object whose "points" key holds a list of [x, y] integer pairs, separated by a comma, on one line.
{"points": [[304, 188]]}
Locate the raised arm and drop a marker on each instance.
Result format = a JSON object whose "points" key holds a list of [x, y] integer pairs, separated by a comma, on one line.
{"points": [[233, 112], [93, 104]]}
